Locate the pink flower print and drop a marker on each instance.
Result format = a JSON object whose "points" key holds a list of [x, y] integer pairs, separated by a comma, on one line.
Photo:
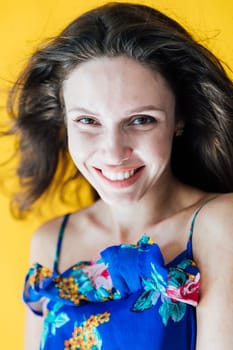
{"points": [[99, 275], [187, 293]]}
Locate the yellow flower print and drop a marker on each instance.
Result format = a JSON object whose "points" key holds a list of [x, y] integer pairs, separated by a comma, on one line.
{"points": [[68, 289], [39, 274], [151, 241], [86, 336]]}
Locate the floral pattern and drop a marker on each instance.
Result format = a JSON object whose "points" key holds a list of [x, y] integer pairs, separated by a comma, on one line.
{"points": [[38, 274], [181, 289], [53, 321], [133, 276], [86, 336]]}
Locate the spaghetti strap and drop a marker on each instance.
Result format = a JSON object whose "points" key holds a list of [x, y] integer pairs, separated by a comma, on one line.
{"points": [[189, 245], [59, 242]]}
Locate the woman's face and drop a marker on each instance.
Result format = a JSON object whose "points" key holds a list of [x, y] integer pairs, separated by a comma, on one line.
{"points": [[120, 124]]}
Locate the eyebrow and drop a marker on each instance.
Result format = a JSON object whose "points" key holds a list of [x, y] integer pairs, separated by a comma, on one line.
{"points": [[130, 111]]}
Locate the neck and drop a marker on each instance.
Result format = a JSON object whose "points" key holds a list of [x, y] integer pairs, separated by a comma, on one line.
{"points": [[134, 218]]}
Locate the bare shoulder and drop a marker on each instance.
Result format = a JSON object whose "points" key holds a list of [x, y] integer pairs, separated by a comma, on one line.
{"points": [[213, 252], [44, 241], [216, 217], [213, 236], [220, 209]]}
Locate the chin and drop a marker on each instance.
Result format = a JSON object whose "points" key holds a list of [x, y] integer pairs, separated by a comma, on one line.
{"points": [[122, 199]]}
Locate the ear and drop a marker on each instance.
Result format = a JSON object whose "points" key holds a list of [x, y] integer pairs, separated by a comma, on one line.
{"points": [[179, 128]]}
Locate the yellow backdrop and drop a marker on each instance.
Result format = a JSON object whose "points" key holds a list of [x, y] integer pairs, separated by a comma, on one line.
{"points": [[23, 25]]}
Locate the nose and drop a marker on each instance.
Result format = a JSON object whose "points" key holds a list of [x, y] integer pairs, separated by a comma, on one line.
{"points": [[116, 147]]}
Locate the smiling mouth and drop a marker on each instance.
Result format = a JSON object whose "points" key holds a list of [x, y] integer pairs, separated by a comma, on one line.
{"points": [[120, 175]]}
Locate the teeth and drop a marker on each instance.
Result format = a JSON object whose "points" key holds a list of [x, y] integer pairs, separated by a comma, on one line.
{"points": [[118, 176]]}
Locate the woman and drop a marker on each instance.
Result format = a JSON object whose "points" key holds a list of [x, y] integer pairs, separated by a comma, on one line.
{"points": [[147, 115]]}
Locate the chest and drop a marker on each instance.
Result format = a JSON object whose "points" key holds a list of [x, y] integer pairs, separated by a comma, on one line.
{"points": [[88, 243]]}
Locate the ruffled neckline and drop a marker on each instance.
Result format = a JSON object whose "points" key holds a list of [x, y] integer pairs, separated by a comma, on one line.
{"points": [[121, 271]]}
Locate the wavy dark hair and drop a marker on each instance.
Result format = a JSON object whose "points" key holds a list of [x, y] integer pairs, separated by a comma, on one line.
{"points": [[201, 157]]}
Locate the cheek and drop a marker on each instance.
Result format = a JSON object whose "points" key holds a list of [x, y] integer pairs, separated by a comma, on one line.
{"points": [[75, 144], [158, 146], [80, 145]]}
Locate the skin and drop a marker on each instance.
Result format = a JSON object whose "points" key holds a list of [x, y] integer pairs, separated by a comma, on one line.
{"points": [[111, 133], [120, 123]]}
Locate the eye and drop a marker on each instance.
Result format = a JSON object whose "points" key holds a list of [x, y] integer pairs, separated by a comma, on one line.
{"points": [[87, 121], [143, 122], [144, 119]]}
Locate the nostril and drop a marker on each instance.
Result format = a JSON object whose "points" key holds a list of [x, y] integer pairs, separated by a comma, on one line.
{"points": [[116, 154]]}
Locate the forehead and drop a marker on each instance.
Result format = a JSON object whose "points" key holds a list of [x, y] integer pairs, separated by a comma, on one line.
{"points": [[116, 81]]}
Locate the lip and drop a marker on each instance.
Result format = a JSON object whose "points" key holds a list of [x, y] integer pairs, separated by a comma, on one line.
{"points": [[121, 183]]}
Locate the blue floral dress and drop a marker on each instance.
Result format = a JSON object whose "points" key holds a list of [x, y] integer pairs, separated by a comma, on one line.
{"points": [[128, 299]]}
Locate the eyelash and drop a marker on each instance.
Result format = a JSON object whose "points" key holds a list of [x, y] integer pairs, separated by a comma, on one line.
{"points": [[141, 120], [145, 120], [87, 121]]}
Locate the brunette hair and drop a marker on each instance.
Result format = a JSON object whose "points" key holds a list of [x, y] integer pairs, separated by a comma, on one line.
{"points": [[202, 156]]}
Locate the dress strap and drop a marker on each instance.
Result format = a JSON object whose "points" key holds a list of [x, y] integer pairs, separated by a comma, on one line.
{"points": [[189, 245], [59, 242]]}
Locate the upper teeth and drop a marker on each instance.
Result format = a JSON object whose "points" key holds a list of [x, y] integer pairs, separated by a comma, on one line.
{"points": [[118, 176]]}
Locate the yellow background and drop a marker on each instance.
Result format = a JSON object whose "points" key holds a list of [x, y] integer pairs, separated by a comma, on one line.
{"points": [[23, 25]]}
